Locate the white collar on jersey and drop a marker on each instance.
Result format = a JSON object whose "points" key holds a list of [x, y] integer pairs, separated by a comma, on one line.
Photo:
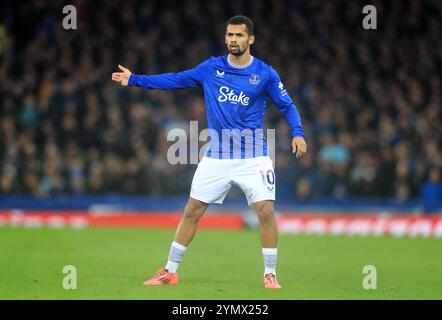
{"points": [[239, 66]]}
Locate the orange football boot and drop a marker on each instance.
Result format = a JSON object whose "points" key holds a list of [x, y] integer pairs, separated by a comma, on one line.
{"points": [[270, 282], [162, 277]]}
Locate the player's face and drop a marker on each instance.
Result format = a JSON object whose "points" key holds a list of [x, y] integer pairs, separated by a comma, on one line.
{"points": [[238, 40]]}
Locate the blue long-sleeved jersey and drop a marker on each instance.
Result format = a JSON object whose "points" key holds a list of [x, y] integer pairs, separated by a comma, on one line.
{"points": [[235, 99]]}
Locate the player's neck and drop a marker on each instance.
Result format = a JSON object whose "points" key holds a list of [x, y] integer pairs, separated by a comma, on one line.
{"points": [[241, 60]]}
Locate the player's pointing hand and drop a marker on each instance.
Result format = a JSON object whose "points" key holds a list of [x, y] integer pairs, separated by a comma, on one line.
{"points": [[299, 146], [122, 77]]}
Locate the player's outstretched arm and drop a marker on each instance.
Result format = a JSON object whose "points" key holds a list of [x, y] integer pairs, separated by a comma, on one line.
{"points": [[122, 77], [166, 81]]}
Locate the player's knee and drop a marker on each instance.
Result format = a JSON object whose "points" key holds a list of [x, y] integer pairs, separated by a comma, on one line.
{"points": [[194, 210], [192, 214], [265, 211], [266, 215]]}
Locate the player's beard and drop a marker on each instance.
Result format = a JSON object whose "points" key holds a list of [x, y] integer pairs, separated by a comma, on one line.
{"points": [[237, 52]]}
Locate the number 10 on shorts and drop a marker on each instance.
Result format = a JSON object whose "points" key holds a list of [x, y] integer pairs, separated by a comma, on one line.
{"points": [[268, 179]]}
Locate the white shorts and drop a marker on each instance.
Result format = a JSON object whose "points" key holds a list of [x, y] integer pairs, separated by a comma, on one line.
{"points": [[214, 177]]}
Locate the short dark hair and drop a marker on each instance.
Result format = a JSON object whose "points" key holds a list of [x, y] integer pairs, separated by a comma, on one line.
{"points": [[237, 20]]}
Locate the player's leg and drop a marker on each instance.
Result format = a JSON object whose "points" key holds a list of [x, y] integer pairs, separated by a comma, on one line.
{"points": [[269, 240], [185, 232], [189, 221], [268, 229], [257, 179], [210, 185]]}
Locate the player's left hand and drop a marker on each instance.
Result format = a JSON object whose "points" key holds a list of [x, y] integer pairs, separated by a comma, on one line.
{"points": [[299, 146]]}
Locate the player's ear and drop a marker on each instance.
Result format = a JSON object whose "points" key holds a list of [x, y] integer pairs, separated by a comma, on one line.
{"points": [[251, 39]]}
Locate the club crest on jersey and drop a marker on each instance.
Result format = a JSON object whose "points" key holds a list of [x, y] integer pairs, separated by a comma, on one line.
{"points": [[254, 79], [220, 74], [227, 94]]}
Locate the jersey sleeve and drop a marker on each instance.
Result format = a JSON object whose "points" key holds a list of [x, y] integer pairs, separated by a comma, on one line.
{"points": [[282, 100], [171, 81]]}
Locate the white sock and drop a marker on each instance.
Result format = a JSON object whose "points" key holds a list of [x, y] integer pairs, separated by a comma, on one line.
{"points": [[176, 254], [171, 266], [270, 258]]}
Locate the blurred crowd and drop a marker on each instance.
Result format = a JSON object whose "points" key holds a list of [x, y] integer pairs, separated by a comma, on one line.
{"points": [[370, 100]]}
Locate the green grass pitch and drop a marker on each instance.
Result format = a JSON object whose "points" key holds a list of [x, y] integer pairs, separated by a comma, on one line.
{"points": [[113, 263]]}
